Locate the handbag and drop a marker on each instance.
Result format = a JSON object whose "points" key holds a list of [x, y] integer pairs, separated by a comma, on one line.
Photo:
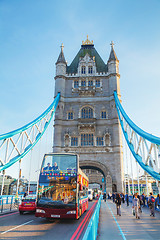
{"points": [[133, 211]]}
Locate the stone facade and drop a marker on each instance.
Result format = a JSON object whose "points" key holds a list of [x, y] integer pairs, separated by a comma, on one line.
{"points": [[86, 120]]}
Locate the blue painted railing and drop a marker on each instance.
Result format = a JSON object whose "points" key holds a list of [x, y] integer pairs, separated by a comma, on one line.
{"points": [[7, 203], [91, 232]]}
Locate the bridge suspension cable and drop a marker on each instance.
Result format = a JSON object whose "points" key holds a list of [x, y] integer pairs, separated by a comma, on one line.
{"points": [[144, 146], [16, 144]]}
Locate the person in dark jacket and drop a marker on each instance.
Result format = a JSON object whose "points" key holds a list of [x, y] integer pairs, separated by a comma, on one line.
{"points": [[143, 199], [122, 197], [25, 194], [157, 201], [127, 199], [104, 196], [118, 203], [113, 196]]}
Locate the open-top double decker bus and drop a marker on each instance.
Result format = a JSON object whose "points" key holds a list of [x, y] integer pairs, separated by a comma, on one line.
{"points": [[63, 187]]}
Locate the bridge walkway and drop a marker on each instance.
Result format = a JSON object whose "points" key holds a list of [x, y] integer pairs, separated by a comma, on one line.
{"points": [[127, 226]]}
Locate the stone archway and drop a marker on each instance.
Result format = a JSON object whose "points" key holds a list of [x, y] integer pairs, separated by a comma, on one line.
{"points": [[102, 169]]}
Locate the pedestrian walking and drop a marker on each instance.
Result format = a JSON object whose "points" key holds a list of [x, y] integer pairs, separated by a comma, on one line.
{"points": [[127, 199], [136, 206], [113, 196], [122, 196], [143, 199], [140, 201], [118, 204], [104, 197], [25, 194], [151, 204], [157, 201]]}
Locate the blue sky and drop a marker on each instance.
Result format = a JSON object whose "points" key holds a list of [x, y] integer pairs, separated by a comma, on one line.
{"points": [[31, 33]]}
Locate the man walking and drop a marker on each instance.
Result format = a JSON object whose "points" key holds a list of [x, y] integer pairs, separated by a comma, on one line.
{"points": [[118, 203], [113, 196], [143, 199], [151, 201], [127, 199], [104, 196]]}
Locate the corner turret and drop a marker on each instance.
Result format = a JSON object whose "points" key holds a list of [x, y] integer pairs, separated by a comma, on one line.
{"points": [[113, 62], [60, 77], [61, 63]]}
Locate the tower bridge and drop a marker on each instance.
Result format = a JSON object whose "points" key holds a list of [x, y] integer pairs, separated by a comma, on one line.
{"points": [[86, 120]]}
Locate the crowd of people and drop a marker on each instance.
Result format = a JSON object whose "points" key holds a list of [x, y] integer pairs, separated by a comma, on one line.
{"points": [[137, 202]]}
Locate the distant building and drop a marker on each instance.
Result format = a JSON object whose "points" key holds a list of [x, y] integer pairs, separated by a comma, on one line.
{"points": [[7, 181], [151, 185], [22, 186], [33, 187]]}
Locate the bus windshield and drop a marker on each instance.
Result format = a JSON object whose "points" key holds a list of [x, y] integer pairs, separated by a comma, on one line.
{"points": [[58, 181]]}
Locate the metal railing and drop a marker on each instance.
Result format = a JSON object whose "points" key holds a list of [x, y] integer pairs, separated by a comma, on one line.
{"points": [[91, 232], [9, 203]]}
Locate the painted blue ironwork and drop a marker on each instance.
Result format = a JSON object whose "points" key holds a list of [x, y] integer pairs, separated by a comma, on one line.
{"points": [[144, 146], [16, 144], [91, 232]]}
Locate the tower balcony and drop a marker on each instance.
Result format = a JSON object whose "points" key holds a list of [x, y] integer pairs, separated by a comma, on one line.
{"points": [[87, 124], [83, 91]]}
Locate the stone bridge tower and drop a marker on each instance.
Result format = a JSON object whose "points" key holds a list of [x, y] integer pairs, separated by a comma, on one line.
{"points": [[86, 120]]}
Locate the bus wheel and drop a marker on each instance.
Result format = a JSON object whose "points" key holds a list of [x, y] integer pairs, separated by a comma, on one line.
{"points": [[20, 212]]}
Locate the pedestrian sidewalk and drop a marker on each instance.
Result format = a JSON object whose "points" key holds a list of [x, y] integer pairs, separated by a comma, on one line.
{"points": [[7, 211], [127, 226]]}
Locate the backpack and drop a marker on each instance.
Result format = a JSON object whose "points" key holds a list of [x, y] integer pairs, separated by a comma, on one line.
{"points": [[151, 201]]}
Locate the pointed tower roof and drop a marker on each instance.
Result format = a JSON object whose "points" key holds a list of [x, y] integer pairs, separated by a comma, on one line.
{"points": [[112, 53], [87, 47], [61, 58]]}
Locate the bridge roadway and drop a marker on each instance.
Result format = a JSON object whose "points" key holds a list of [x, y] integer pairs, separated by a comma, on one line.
{"points": [[111, 226], [127, 226], [27, 227]]}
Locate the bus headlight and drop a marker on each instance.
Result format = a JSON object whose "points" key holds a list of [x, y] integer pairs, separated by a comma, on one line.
{"points": [[40, 211], [71, 212]]}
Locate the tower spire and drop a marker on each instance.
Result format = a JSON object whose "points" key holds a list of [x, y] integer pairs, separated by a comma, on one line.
{"points": [[112, 44], [61, 58], [112, 53], [62, 46]]}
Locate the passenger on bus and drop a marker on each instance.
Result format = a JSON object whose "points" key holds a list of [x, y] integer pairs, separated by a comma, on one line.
{"points": [[55, 167], [48, 168]]}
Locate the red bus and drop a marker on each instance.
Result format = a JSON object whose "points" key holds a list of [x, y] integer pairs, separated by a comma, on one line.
{"points": [[63, 187]]}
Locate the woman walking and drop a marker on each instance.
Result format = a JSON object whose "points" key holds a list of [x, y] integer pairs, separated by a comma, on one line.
{"points": [[136, 206], [118, 203]]}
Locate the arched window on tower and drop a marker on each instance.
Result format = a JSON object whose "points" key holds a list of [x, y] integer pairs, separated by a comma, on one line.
{"points": [[83, 70], [87, 112], [103, 114], [90, 83], [70, 115], [76, 84], [98, 83], [90, 70]]}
